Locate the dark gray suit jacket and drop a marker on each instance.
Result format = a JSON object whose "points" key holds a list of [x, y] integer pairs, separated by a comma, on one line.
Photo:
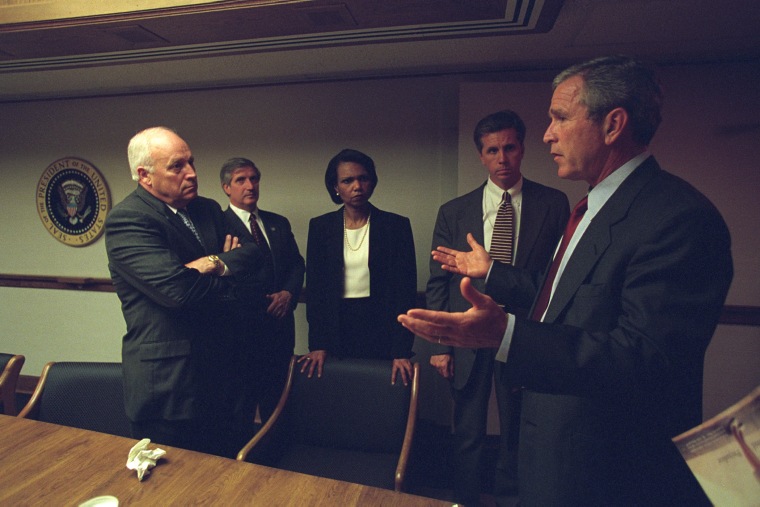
{"points": [[289, 266], [173, 350], [544, 214], [615, 370]]}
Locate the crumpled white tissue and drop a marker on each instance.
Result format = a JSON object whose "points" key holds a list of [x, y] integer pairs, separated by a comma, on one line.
{"points": [[142, 459]]}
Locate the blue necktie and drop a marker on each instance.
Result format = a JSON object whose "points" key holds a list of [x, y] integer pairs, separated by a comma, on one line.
{"points": [[189, 223]]}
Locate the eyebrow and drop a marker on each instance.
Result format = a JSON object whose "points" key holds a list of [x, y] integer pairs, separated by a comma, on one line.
{"points": [[553, 111]]}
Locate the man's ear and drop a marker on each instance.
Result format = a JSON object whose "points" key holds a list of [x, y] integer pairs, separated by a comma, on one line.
{"points": [[144, 176], [226, 189], [614, 124]]}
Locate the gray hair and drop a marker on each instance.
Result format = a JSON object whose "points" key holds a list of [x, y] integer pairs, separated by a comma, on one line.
{"points": [[232, 165], [619, 81], [140, 150]]}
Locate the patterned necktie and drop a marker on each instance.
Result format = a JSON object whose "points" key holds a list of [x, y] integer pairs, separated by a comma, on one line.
{"points": [[503, 231], [543, 299], [183, 214], [258, 236]]}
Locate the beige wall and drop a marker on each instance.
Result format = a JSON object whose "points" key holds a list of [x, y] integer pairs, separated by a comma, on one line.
{"points": [[410, 126]]}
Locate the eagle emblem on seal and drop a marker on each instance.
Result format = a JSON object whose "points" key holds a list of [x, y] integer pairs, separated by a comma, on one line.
{"points": [[73, 199]]}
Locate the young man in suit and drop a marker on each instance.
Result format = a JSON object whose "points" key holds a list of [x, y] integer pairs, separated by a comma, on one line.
{"points": [[611, 360], [176, 274], [271, 330], [539, 217]]}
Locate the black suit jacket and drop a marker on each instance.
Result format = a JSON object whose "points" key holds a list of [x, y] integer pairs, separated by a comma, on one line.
{"points": [[173, 350], [289, 267], [544, 214], [393, 278], [615, 370]]}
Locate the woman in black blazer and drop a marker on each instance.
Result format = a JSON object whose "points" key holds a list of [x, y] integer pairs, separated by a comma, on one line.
{"points": [[361, 273]]}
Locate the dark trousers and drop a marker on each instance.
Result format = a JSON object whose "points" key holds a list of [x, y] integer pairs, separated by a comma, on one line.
{"points": [[470, 425], [363, 333], [202, 435]]}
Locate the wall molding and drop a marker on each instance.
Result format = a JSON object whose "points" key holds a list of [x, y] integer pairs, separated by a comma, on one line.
{"points": [[733, 315], [56, 282]]}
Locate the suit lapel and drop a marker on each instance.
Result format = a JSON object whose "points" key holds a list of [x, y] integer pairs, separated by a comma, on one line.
{"points": [[237, 227], [532, 218], [272, 232], [377, 238], [163, 210], [470, 218], [596, 239], [208, 234]]}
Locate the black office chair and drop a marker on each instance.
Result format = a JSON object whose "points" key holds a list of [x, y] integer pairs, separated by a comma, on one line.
{"points": [[10, 369], [83, 395], [351, 424]]}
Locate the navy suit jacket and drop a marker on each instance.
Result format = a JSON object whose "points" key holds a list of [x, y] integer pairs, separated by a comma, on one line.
{"points": [[393, 278], [615, 370], [545, 211], [174, 355]]}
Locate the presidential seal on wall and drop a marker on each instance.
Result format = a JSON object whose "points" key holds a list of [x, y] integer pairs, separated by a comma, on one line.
{"points": [[73, 201]]}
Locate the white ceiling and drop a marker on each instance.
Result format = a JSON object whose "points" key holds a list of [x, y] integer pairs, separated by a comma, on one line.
{"points": [[184, 52]]}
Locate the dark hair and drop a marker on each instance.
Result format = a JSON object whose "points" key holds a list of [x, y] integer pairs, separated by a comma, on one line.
{"points": [[619, 81], [497, 122], [347, 155], [232, 165]]}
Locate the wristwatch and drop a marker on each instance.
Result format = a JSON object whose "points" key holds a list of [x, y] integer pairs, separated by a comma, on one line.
{"points": [[216, 261]]}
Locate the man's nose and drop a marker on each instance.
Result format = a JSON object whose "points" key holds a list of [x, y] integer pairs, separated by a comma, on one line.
{"points": [[549, 134]]}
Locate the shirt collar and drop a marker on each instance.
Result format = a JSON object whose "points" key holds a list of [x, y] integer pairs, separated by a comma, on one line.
{"points": [[493, 193], [599, 195], [244, 215]]}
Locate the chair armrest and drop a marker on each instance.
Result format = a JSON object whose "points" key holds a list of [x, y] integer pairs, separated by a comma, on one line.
{"points": [[8, 383], [411, 422], [258, 448], [32, 408]]}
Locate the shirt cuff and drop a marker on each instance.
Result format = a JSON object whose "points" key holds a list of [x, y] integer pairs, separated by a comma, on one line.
{"points": [[506, 341]]}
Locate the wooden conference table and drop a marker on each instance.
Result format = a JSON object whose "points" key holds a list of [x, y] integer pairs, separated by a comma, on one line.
{"points": [[48, 464]]}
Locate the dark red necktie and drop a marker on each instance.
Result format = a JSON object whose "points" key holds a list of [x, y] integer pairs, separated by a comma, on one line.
{"points": [[258, 236], [259, 239], [543, 299]]}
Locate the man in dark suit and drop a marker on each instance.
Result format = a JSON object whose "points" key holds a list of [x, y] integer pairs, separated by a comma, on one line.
{"points": [[176, 277], [540, 214], [612, 367], [271, 330]]}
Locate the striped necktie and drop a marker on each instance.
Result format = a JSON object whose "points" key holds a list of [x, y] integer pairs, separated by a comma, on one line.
{"points": [[503, 231]]}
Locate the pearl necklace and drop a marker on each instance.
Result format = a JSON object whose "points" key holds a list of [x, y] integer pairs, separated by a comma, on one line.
{"points": [[345, 233]]}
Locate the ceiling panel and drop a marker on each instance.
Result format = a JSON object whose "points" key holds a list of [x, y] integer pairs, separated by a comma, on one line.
{"points": [[232, 43]]}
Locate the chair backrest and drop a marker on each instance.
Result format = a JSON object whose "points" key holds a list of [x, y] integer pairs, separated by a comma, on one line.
{"points": [[10, 369], [352, 406], [351, 424], [84, 395]]}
